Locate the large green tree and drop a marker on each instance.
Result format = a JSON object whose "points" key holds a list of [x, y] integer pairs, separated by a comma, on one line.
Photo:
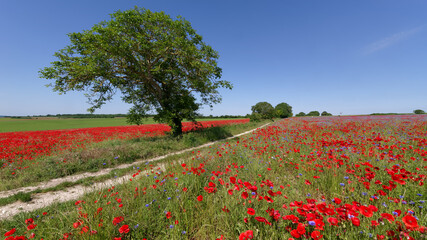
{"points": [[264, 109], [419, 111], [157, 63], [324, 113], [313, 113], [283, 110]]}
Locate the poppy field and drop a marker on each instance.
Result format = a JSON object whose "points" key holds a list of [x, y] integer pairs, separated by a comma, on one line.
{"points": [[358, 177], [20, 149]]}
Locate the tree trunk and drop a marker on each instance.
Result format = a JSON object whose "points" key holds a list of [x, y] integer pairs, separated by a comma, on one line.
{"points": [[176, 127]]}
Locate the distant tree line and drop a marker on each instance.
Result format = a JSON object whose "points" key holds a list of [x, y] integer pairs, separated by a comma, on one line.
{"points": [[90, 115], [264, 110], [83, 115], [313, 114]]}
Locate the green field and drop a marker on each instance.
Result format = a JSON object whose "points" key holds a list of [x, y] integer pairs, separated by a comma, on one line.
{"points": [[15, 125]]}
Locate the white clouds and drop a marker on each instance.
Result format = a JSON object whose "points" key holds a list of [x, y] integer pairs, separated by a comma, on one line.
{"points": [[391, 40]]}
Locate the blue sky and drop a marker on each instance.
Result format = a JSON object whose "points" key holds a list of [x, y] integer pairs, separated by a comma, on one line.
{"points": [[349, 57]]}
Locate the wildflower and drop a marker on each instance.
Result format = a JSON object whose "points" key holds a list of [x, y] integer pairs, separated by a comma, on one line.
{"points": [[246, 235], [410, 222], [124, 229], [10, 232], [251, 211]]}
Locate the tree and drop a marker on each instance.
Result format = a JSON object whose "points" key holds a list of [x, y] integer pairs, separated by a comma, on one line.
{"points": [[157, 63], [324, 113], [313, 113], [300, 114], [283, 110], [264, 109], [419, 111]]}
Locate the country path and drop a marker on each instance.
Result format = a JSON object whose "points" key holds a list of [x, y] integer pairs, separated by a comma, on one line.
{"points": [[41, 200]]}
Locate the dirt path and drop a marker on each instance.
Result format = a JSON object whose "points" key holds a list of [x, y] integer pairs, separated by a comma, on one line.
{"points": [[41, 200]]}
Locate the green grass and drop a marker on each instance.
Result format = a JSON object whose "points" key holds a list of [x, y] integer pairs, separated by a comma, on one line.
{"points": [[111, 153], [15, 125]]}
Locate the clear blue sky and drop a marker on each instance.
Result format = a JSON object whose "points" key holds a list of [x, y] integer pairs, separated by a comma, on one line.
{"points": [[354, 57]]}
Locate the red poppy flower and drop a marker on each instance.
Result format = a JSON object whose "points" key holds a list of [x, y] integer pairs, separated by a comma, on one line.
{"points": [[333, 221], [10, 232], [200, 198], [31, 226], [251, 211], [295, 234], [387, 216], [124, 229], [316, 235], [301, 228], [244, 195], [365, 211], [410, 221], [355, 221], [77, 224], [261, 219], [29, 221], [117, 220], [246, 235], [319, 224], [337, 200]]}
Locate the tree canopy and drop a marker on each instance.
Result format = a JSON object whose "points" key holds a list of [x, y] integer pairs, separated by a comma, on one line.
{"points": [[325, 113], [300, 114], [419, 111], [313, 113], [283, 110], [158, 64], [265, 109]]}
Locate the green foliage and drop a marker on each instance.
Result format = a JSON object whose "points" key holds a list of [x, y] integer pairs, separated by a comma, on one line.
{"points": [[283, 110], [419, 111], [157, 63], [313, 113], [300, 114], [324, 113], [255, 117], [264, 109]]}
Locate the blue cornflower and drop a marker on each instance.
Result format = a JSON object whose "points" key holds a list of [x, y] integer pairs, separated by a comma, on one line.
{"points": [[184, 232], [171, 226], [312, 223], [342, 184]]}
